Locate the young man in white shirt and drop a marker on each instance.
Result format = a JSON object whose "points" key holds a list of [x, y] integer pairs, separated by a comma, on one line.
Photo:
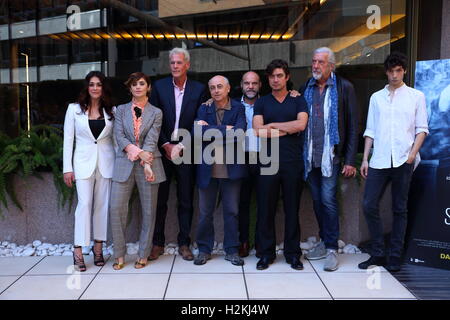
{"points": [[396, 127]]}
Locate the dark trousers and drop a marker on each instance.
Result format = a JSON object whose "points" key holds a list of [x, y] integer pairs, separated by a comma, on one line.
{"points": [[229, 190], [184, 176], [289, 179], [248, 186], [323, 191], [377, 180]]}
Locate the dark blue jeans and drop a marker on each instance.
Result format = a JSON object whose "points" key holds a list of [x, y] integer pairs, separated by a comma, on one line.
{"points": [[377, 180], [229, 190], [323, 191]]}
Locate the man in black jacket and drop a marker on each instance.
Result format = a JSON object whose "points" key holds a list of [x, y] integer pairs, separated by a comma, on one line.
{"points": [[179, 98], [330, 139]]}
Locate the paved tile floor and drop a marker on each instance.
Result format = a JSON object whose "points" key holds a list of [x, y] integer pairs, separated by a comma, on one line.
{"points": [[172, 278]]}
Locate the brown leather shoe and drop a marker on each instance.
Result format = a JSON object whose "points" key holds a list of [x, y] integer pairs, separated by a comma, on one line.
{"points": [[186, 253], [156, 252], [244, 249]]}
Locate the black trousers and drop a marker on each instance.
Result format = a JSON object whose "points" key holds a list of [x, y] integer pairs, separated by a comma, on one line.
{"points": [[249, 185], [185, 178], [376, 182], [289, 179]]}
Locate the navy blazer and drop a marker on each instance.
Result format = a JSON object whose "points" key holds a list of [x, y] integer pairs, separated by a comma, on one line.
{"points": [[234, 117], [163, 97]]}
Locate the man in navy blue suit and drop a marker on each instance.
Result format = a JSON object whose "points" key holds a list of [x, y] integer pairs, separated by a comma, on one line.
{"points": [[179, 98], [221, 168]]}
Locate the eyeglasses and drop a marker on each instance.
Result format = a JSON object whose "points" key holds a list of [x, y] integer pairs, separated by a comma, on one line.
{"points": [[138, 112]]}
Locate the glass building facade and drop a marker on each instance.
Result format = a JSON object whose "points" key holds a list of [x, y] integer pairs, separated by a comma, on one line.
{"points": [[48, 46]]}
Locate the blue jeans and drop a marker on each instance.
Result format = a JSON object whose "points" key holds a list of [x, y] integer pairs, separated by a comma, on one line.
{"points": [[230, 190], [323, 190], [377, 179]]}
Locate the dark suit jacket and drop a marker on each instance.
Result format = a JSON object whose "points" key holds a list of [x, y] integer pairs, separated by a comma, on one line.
{"points": [[163, 97], [233, 117], [348, 121]]}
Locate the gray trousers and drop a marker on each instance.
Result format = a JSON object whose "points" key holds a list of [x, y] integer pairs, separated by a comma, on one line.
{"points": [[120, 196]]}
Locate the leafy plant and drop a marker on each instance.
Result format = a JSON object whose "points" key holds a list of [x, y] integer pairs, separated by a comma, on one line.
{"points": [[29, 154]]}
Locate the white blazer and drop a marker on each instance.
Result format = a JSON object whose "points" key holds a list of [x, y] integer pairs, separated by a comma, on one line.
{"points": [[89, 152]]}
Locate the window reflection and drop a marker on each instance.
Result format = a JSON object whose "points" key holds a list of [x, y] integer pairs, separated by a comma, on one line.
{"points": [[118, 44]]}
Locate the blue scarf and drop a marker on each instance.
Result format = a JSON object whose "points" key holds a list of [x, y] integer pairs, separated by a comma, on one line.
{"points": [[333, 126]]}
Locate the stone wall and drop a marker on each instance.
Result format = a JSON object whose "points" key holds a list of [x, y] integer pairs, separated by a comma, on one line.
{"points": [[42, 218]]}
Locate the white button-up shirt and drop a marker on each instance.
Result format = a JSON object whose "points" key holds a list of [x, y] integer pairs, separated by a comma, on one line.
{"points": [[394, 120], [179, 94]]}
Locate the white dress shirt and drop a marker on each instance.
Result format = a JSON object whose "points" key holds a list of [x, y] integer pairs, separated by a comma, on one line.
{"points": [[179, 94], [394, 120]]}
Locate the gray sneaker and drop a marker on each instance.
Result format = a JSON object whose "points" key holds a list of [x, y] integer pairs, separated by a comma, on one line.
{"points": [[331, 262], [234, 259], [202, 258], [318, 252]]}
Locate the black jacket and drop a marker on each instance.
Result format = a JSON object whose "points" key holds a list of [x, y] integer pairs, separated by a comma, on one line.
{"points": [[348, 120], [162, 96]]}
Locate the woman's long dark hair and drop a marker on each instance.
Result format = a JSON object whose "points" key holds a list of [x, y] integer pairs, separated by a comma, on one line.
{"points": [[84, 98]]}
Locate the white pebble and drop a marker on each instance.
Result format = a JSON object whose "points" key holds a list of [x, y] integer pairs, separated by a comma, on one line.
{"points": [[306, 245], [86, 250], [132, 250], [312, 239], [46, 246], [351, 249], [5, 244], [341, 244], [36, 243]]}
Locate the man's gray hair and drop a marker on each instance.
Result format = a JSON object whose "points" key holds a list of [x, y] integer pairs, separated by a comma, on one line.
{"points": [[331, 57], [225, 78], [187, 56]]}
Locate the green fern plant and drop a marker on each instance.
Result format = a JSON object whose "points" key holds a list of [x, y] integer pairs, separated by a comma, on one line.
{"points": [[29, 154]]}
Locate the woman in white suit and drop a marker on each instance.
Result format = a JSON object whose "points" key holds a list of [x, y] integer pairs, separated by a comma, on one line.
{"points": [[89, 127]]}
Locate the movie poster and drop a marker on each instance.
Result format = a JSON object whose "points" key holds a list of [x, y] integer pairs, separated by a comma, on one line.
{"points": [[428, 241]]}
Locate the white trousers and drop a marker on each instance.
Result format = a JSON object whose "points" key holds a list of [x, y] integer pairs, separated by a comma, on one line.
{"points": [[93, 202]]}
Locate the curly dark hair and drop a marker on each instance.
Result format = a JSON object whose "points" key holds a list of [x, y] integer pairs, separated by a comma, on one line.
{"points": [[84, 98], [396, 59], [275, 64]]}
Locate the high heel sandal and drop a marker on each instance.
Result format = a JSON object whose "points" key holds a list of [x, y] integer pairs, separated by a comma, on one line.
{"points": [[139, 265], [78, 260], [117, 265], [98, 256]]}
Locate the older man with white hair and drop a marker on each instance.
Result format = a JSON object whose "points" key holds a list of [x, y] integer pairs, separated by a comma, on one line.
{"points": [[179, 98], [331, 142]]}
